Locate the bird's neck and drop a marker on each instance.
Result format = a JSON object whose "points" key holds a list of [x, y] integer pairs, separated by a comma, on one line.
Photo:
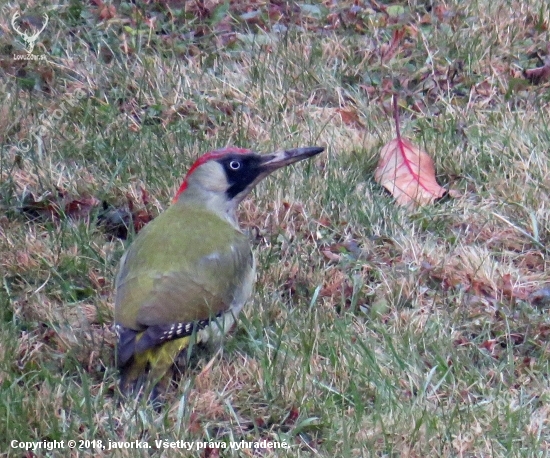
{"points": [[214, 202]]}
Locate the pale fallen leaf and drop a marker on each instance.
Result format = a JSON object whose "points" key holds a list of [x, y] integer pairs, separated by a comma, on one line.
{"points": [[408, 173]]}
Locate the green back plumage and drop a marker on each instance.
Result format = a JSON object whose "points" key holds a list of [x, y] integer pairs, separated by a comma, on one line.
{"points": [[186, 265]]}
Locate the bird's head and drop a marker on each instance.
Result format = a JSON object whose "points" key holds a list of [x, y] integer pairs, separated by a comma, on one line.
{"points": [[222, 178]]}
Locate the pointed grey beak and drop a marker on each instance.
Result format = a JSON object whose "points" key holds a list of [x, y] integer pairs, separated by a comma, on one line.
{"points": [[264, 165], [274, 161]]}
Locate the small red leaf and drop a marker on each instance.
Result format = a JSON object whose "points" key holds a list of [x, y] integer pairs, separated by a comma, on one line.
{"points": [[489, 345], [292, 416], [106, 12], [390, 50], [350, 117]]}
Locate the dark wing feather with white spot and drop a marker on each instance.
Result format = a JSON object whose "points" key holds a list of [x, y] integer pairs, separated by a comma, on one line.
{"points": [[153, 336]]}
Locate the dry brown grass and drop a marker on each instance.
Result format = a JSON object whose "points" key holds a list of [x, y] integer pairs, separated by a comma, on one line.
{"points": [[373, 330]]}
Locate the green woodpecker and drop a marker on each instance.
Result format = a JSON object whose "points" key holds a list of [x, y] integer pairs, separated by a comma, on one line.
{"points": [[190, 271]]}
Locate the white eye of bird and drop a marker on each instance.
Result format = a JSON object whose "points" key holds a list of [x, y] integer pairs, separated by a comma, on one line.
{"points": [[235, 165]]}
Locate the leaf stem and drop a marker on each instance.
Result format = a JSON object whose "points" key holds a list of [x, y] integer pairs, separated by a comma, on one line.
{"points": [[396, 117]]}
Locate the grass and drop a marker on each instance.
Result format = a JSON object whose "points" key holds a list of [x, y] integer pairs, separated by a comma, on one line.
{"points": [[373, 331]]}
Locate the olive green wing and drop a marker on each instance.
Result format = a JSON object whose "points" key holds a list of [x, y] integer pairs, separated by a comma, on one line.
{"points": [[181, 268]]}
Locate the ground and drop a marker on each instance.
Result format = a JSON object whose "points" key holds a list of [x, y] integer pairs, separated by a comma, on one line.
{"points": [[375, 329]]}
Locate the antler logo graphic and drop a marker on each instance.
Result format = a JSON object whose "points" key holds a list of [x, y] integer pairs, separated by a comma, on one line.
{"points": [[29, 40]]}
